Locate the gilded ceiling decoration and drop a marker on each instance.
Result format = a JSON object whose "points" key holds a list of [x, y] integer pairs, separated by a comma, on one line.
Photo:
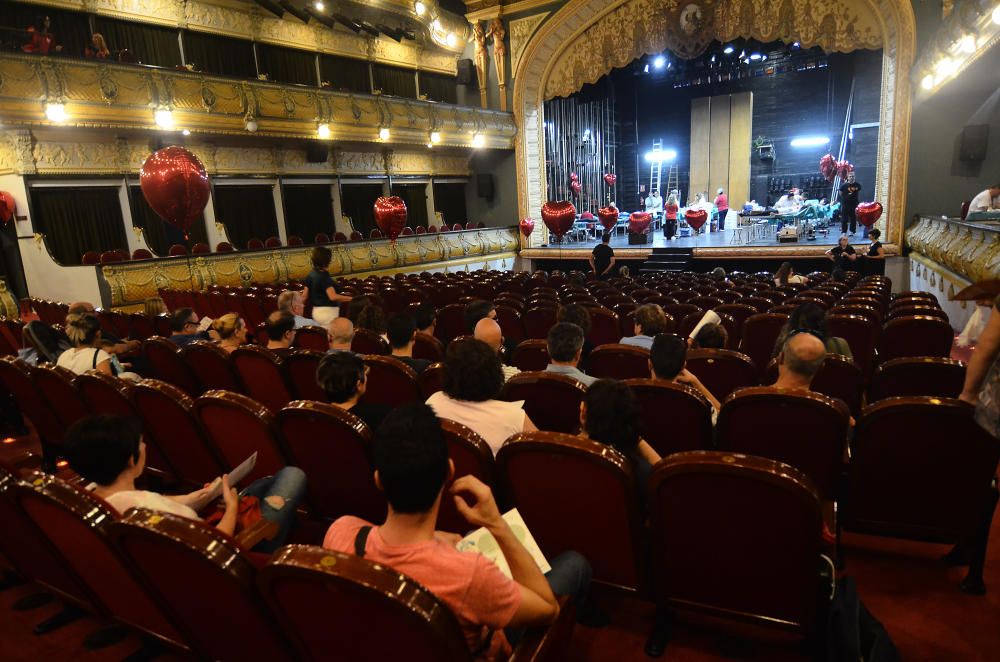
{"points": [[521, 30]]}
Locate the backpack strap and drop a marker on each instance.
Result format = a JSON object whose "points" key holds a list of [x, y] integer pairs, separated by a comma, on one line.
{"points": [[96, 352], [361, 540]]}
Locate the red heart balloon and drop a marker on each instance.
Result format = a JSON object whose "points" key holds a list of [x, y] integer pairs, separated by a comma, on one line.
{"points": [[638, 222], [828, 167], [7, 207], [610, 179], [527, 227], [844, 167], [696, 218], [869, 212], [390, 215], [573, 177], [577, 187], [175, 185], [558, 216], [608, 216]]}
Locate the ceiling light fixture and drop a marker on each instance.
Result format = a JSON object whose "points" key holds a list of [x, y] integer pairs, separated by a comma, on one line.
{"points": [[55, 112], [661, 155], [435, 137], [185, 132], [319, 5], [728, 50], [996, 15], [164, 119], [967, 44], [451, 40], [323, 131], [810, 141], [927, 82], [755, 56], [478, 140], [420, 8], [383, 134], [659, 61]]}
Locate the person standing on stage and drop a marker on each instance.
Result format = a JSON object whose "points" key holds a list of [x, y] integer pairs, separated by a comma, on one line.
{"points": [[602, 260], [849, 191], [654, 203], [987, 200], [722, 203], [670, 218]]}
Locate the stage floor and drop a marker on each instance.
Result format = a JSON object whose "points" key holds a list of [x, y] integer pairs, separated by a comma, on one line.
{"points": [[723, 239]]}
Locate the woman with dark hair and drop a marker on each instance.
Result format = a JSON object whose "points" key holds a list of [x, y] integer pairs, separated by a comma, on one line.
{"points": [[611, 414], [473, 378], [810, 318], [874, 259], [109, 452], [372, 317], [786, 274], [319, 289]]}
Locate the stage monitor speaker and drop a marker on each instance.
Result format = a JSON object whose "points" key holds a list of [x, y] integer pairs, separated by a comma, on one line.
{"points": [[975, 138], [317, 153], [466, 72], [484, 187]]}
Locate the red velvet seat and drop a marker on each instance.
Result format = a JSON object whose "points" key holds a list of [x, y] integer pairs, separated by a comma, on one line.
{"points": [[176, 443], [761, 304], [108, 257], [369, 342], [432, 229], [530, 355], [339, 237], [104, 394], [431, 380], [450, 322], [675, 417], [272, 242], [176, 250], [428, 347], [615, 361], [300, 368], [552, 401], [420, 230], [16, 376], [538, 320], [705, 302], [91, 257], [471, 456], [407, 231], [259, 370], [201, 248], [923, 469], [211, 366], [320, 238], [315, 338], [375, 234], [918, 310], [769, 423], [577, 494], [165, 359], [330, 445], [509, 319], [237, 426], [390, 381], [224, 247], [357, 236], [739, 313], [295, 240], [869, 312], [457, 227], [604, 327], [910, 376], [729, 513], [192, 568], [860, 334], [915, 336], [56, 386], [255, 244], [841, 378], [760, 333], [141, 326], [141, 254], [722, 371]]}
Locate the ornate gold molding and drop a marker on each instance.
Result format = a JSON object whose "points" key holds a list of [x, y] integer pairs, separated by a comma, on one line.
{"points": [[521, 30], [108, 95], [971, 250]]}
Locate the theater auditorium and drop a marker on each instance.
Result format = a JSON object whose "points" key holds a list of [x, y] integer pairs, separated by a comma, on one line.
{"points": [[499, 330]]}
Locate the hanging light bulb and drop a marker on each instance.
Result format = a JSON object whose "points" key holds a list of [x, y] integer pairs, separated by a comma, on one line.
{"points": [[383, 134], [164, 119], [55, 112], [323, 131]]}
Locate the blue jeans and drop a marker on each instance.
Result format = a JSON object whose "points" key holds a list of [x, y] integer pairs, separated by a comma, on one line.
{"points": [[569, 576], [290, 485]]}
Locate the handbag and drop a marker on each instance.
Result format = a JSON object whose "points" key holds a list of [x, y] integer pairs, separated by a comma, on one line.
{"points": [[248, 513]]}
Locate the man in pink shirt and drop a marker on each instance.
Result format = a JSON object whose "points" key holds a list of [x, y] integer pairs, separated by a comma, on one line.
{"points": [[410, 457]]}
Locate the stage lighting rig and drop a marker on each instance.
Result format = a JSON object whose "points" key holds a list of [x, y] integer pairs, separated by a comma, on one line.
{"points": [[322, 18]]}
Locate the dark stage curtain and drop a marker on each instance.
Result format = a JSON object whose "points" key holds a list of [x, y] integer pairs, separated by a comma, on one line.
{"points": [[287, 65], [213, 54], [357, 201], [71, 29], [395, 81], [160, 235], [78, 219], [345, 74], [308, 210], [147, 43], [449, 199], [439, 87], [415, 197], [247, 212]]}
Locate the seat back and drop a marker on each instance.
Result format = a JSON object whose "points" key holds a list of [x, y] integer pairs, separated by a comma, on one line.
{"points": [[192, 568], [76, 523], [688, 412], [860, 334], [260, 372], [16, 377], [472, 456], [918, 335], [330, 445], [532, 354], [921, 469], [722, 371], [431, 380], [300, 368], [360, 600], [739, 313], [804, 429], [839, 377], [312, 337], [238, 426], [104, 394], [56, 386], [705, 507], [224, 247], [369, 342], [923, 375], [176, 250], [428, 347], [510, 323], [577, 494], [390, 381], [760, 333], [168, 366], [552, 401], [616, 361], [272, 242], [604, 326], [450, 322], [211, 366], [538, 320]]}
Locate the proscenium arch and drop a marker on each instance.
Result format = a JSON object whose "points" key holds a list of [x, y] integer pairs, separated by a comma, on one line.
{"points": [[888, 24]]}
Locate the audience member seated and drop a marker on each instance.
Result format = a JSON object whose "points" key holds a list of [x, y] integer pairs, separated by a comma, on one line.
{"points": [[565, 344], [786, 274], [477, 310], [343, 376], [292, 302], [231, 331], [98, 48], [154, 306], [472, 382], [109, 452], [800, 359], [488, 331], [358, 304], [667, 358], [610, 414], [341, 332], [402, 336], [84, 331], [184, 322], [426, 318], [710, 336], [575, 313], [117, 345], [650, 320], [811, 317], [280, 328], [412, 467], [372, 318]]}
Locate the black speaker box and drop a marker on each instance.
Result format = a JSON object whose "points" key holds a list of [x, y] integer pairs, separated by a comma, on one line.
{"points": [[317, 153], [466, 72], [484, 186], [975, 138]]}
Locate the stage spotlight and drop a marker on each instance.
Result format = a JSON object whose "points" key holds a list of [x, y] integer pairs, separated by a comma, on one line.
{"points": [[55, 112], [796, 44], [383, 134], [164, 119], [755, 56], [419, 7], [478, 140], [968, 44], [645, 69], [661, 155], [659, 61], [185, 132], [810, 141], [323, 131], [996, 15], [728, 50], [319, 5]]}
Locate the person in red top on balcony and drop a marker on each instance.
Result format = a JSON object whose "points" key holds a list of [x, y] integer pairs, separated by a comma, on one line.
{"points": [[722, 204], [42, 41]]}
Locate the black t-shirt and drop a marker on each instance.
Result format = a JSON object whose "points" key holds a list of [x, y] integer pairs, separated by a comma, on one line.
{"points": [[840, 255], [849, 194], [418, 365], [602, 257], [873, 249], [317, 281], [372, 413]]}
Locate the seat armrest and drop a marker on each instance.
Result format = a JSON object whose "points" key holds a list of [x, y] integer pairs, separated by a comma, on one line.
{"points": [[261, 530], [542, 644]]}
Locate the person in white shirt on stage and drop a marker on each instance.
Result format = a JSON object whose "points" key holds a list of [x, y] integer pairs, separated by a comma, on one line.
{"points": [[654, 203], [987, 200], [788, 203]]}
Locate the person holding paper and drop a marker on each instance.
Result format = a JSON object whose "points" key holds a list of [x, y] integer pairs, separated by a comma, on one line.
{"points": [[649, 321], [109, 452], [710, 336], [410, 458]]}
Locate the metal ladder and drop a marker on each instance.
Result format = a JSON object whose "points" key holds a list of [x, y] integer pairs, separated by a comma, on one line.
{"points": [[673, 183], [655, 168]]}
